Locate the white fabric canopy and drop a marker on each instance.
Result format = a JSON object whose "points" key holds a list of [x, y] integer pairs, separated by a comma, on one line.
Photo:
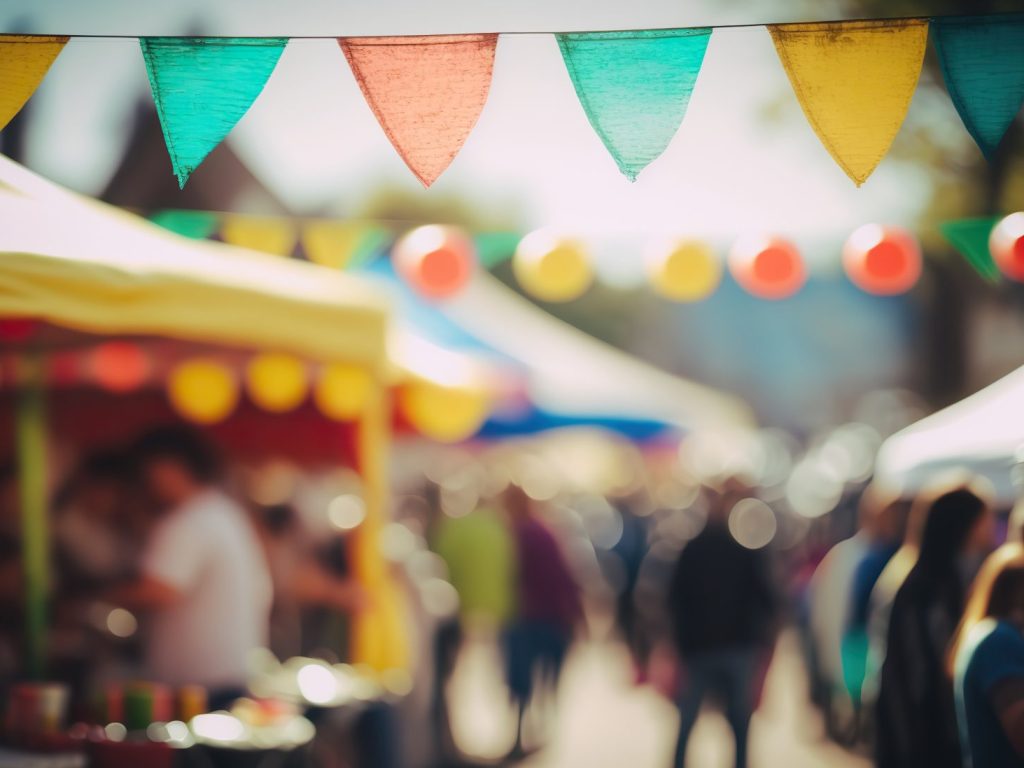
{"points": [[983, 434], [571, 372]]}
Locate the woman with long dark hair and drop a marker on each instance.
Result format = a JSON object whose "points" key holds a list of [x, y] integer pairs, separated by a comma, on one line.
{"points": [[987, 662], [915, 712]]}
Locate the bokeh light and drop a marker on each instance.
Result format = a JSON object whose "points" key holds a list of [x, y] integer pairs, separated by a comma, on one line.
{"points": [[1006, 243], [277, 383], [767, 267], [683, 270], [552, 268], [882, 260], [436, 261], [203, 390], [752, 523], [119, 366]]}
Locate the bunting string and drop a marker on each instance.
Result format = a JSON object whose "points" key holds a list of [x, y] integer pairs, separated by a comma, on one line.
{"points": [[853, 79]]}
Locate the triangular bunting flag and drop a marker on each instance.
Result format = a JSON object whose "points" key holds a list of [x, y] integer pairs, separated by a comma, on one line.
{"points": [[24, 62], [342, 244], [427, 92], [854, 81], [970, 238], [202, 87], [494, 248], [260, 233], [634, 87], [197, 225], [982, 62]]}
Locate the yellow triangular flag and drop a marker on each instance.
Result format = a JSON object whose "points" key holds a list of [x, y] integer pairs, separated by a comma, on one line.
{"points": [[24, 62], [332, 243], [272, 235], [854, 81]]}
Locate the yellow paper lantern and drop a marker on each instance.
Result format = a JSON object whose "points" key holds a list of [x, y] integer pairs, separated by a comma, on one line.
{"points": [[276, 382], [552, 268], [342, 391], [683, 270], [203, 390], [445, 414]]}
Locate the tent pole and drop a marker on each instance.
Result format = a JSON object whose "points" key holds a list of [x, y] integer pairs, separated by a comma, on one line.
{"points": [[379, 639], [30, 431]]}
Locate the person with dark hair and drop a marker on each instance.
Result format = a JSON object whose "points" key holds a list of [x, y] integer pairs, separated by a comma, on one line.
{"points": [[915, 714], [987, 662], [204, 580], [724, 612]]}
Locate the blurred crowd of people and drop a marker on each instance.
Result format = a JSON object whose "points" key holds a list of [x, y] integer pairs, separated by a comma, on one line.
{"points": [[912, 627], [914, 630]]}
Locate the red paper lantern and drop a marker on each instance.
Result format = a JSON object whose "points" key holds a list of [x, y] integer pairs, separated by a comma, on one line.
{"points": [[882, 260], [119, 366], [767, 267], [436, 261], [1006, 243]]}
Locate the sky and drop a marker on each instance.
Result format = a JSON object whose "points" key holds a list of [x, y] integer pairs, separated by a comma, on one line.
{"points": [[311, 138]]}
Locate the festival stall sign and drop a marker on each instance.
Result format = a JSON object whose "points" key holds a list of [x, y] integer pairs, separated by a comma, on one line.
{"points": [[128, 306], [854, 80]]}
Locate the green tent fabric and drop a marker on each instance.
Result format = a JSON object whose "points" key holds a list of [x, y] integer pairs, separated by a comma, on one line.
{"points": [[970, 238], [982, 60], [480, 553], [634, 87], [202, 87]]}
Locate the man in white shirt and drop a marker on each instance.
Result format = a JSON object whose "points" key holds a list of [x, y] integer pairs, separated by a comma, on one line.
{"points": [[204, 578]]}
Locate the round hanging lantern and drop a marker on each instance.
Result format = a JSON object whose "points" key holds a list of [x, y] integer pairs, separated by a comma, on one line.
{"points": [[551, 268], [445, 414], [276, 383], [203, 390], [882, 260], [342, 391], [436, 261], [1006, 243], [119, 366], [683, 270], [767, 267]]}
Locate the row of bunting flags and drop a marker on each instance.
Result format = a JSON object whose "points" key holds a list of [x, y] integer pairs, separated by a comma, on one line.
{"points": [[853, 79], [437, 261]]}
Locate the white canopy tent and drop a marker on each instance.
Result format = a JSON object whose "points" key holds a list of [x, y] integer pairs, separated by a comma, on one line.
{"points": [[983, 435]]}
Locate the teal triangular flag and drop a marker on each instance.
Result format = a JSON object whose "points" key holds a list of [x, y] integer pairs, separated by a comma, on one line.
{"points": [[197, 225], [634, 87], [202, 87], [970, 237], [982, 60]]}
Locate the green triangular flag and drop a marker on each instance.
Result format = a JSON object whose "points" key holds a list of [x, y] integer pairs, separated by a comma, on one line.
{"points": [[970, 238], [202, 87], [197, 225], [634, 87], [493, 248]]}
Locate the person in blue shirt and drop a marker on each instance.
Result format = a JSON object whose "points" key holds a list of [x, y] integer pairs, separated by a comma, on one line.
{"points": [[987, 660]]}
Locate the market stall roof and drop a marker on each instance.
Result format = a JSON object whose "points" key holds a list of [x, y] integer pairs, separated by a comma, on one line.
{"points": [[80, 264], [983, 434], [571, 377]]}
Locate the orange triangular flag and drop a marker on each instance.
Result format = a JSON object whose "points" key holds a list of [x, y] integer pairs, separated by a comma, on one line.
{"points": [[427, 92], [24, 62]]}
